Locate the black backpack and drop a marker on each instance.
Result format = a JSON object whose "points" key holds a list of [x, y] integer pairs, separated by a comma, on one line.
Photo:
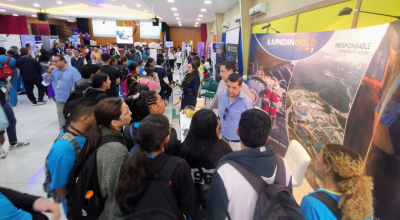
{"points": [[274, 201], [84, 179], [158, 201]]}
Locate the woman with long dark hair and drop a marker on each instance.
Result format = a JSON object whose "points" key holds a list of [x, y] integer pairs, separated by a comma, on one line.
{"points": [[133, 75], [202, 149], [136, 87], [100, 83], [142, 104], [149, 160], [111, 115], [190, 85], [150, 62]]}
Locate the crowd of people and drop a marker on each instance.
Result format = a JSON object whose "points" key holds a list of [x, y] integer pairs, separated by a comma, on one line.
{"points": [[118, 157]]}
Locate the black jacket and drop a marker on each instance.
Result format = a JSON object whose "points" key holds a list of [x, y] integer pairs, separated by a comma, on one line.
{"points": [[30, 69], [95, 94], [56, 51]]}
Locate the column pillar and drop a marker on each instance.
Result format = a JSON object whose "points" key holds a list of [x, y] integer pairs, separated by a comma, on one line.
{"points": [[245, 31]]}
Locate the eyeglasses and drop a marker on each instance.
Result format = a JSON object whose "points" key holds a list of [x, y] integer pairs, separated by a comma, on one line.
{"points": [[226, 113]]}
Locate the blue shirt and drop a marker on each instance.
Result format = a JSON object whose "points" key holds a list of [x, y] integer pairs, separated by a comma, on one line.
{"points": [[141, 70], [129, 63], [61, 159], [314, 209], [67, 78], [9, 211], [232, 112]]}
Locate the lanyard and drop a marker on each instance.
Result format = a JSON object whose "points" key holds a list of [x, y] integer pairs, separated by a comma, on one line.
{"points": [[76, 130]]}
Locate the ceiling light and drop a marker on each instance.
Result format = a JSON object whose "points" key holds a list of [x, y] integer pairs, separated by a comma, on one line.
{"points": [[203, 9], [124, 6], [173, 9], [138, 5], [171, 0], [195, 25], [145, 10], [2, 10], [178, 19], [59, 2], [113, 0], [36, 5], [180, 25], [176, 14], [200, 15], [207, 2], [198, 19], [34, 15], [15, 15]]}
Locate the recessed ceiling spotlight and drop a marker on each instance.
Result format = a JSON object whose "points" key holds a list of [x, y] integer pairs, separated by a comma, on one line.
{"points": [[36, 5], [59, 2], [180, 25], [200, 15], [15, 15], [173, 9], [178, 19], [124, 6], [207, 2], [203, 9], [34, 15], [195, 25], [113, 0], [176, 14], [2, 10], [138, 5], [171, 0], [145, 10], [198, 19]]}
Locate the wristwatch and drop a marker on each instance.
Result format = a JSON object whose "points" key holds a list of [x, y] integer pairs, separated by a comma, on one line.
{"points": [[48, 71]]}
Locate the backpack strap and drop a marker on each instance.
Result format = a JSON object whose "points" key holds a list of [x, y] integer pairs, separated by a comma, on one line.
{"points": [[280, 177], [169, 168], [8, 60], [111, 138], [329, 202], [70, 138], [255, 181], [131, 132]]}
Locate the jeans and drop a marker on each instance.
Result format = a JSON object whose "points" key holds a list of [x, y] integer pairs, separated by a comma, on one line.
{"points": [[29, 90], [12, 127], [60, 109]]}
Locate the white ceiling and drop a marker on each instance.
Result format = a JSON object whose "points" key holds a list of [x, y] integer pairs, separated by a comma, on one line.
{"points": [[188, 10]]}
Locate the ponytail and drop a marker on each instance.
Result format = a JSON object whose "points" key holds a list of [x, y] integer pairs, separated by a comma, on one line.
{"points": [[132, 181], [91, 144], [356, 200]]}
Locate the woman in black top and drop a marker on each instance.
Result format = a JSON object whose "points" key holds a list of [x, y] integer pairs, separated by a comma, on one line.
{"points": [[202, 150], [146, 162], [190, 85]]}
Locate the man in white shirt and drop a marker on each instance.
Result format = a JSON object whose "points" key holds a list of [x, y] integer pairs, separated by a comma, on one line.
{"points": [[116, 49], [68, 56], [227, 68]]}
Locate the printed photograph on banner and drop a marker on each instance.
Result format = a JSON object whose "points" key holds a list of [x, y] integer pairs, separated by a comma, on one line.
{"points": [[232, 54], [219, 51], [307, 83], [124, 35]]}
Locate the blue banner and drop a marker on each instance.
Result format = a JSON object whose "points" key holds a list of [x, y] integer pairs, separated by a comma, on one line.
{"points": [[29, 39]]}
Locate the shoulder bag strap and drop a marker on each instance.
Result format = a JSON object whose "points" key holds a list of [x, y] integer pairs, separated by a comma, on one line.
{"points": [[329, 202], [8, 60], [255, 181], [280, 177], [71, 138], [111, 138], [131, 132], [169, 168]]}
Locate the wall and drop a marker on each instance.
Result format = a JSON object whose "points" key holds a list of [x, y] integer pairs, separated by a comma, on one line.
{"points": [[219, 18], [185, 34], [328, 18], [229, 16], [32, 20]]}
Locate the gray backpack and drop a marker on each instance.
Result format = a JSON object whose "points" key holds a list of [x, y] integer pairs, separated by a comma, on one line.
{"points": [[275, 201]]}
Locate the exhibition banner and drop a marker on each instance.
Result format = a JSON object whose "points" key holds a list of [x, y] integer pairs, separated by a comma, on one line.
{"points": [[219, 50], [73, 41], [232, 46], [340, 87], [38, 42], [169, 44], [201, 48], [75, 31], [29, 39]]}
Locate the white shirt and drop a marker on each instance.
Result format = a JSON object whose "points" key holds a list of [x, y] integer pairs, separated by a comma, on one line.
{"points": [[178, 57], [116, 50], [207, 65], [171, 56]]}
